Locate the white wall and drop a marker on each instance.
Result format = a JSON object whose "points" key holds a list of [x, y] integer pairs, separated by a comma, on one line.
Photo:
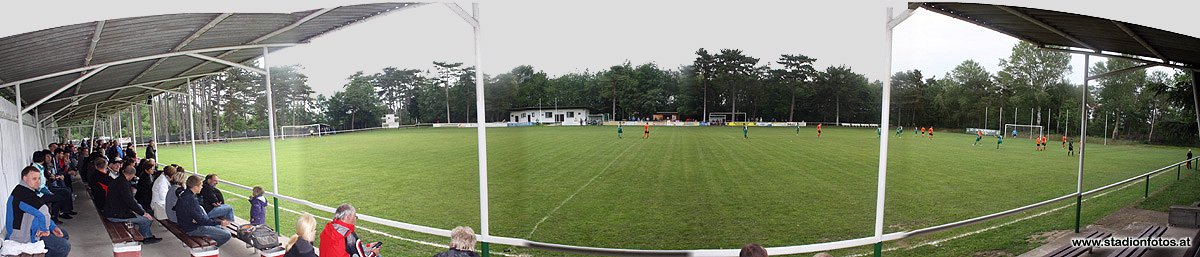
{"points": [[13, 157]]}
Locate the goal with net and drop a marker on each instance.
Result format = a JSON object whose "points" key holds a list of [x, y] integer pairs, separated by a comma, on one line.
{"points": [[1023, 131], [302, 130]]}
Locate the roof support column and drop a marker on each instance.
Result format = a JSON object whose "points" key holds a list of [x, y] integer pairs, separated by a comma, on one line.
{"points": [[21, 122], [481, 129], [1195, 96], [473, 19], [271, 133], [95, 120], [192, 124], [885, 116], [120, 128], [154, 119], [133, 124], [1082, 141], [41, 132]]}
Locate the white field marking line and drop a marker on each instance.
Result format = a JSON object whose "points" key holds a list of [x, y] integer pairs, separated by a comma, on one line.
{"points": [[939, 241], [585, 185], [369, 230]]}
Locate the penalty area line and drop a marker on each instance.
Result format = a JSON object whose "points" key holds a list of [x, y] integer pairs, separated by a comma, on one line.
{"points": [[585, 185]]}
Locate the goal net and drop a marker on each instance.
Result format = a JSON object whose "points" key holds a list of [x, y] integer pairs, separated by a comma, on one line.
{"points": [[302, 130], [1023, 131]]}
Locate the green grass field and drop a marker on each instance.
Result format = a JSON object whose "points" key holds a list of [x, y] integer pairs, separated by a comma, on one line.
{"points": [[684, 188]]}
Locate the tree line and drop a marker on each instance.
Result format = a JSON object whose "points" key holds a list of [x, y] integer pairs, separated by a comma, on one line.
{"points": [[1031, 86]]}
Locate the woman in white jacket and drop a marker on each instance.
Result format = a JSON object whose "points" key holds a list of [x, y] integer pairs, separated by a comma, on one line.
{"points": [[162, 184]]}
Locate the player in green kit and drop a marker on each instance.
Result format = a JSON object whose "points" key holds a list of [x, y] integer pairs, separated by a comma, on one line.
{"points": [[618, 131], [745, 131], [999, 139], [797, 129], [878, 133], [899, 131]]}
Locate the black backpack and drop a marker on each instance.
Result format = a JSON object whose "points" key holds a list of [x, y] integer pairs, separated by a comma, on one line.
{"points": [[260, 237]]}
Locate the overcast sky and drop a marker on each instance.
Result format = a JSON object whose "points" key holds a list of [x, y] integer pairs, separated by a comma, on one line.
{"points": [[570, 36]]}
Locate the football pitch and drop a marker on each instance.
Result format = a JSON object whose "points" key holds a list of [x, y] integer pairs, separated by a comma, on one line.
{"points": [[683, 188]]}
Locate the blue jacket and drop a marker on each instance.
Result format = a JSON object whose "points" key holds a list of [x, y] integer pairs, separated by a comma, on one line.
{"points": [[190, 215], [258, 210], [26, 216]]}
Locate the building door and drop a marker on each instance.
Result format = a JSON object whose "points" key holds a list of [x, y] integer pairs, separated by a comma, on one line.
{"points": [[559, 118]]}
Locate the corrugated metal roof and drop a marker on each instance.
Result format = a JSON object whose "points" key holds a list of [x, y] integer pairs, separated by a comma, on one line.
{"points": [[1056, 29], [42, 53]]}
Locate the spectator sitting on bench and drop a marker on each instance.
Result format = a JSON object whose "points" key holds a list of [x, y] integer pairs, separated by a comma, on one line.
{"points": [[174, 192], [62, 184], [130, 152], [213, 201], [26, 220], [462, 243], [62, 163], [145, 183], [301, 243], [98, 180], [114, 152], [123, 208], [128, 163], [56, 197], [160, 190], [194, 221], [339, 239]]}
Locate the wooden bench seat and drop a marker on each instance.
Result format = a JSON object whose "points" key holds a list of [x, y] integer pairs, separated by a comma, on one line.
{"points": [[1150, 232], [125, 237], [201, 246], [1069, 251]]}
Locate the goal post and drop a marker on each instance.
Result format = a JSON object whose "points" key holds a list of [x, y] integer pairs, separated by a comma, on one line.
{"points": [[302, 130], [1026, 131]]}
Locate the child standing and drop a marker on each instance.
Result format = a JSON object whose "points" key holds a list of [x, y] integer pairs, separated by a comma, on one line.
{"points": [[258, 207]]}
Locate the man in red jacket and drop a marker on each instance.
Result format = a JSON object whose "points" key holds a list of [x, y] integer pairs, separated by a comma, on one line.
{"points": [[339, 240]]}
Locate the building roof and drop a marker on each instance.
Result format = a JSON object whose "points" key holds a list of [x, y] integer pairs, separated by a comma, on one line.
{"points": [[1076, 32], [111, 63]]}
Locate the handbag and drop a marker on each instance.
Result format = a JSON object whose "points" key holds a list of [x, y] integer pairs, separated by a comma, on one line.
{"points": [[260, 237]]}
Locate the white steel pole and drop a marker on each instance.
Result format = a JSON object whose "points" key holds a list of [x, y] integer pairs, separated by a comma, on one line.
{"points": [[1195, 97], [192, 124], [21, 124], [95, 120], [154, 118], [120, 127], [271, 132], [133, 124], [985, 117], [885, 116], [481, 130], [41, 133], [1082, 143]]}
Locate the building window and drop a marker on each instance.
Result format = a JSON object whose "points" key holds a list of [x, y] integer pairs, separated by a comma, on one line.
{"points": [[570, 114], [548, 114]]}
